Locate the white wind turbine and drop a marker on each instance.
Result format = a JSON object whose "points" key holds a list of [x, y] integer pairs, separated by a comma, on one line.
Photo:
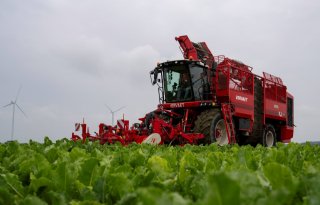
{"points": [[14, 105], [114, 111]]}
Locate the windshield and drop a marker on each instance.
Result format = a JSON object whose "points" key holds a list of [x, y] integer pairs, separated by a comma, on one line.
{"points": [[199, 81], [184, 83]]}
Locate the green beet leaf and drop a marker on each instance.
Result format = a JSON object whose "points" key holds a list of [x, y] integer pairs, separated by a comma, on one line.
{"points": [[33, 200], [12, 183], [89, 171], [222, 189]]}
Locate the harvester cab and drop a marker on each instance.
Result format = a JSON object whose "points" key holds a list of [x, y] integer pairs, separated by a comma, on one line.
{"points": [[181, 81], [189, 79]]}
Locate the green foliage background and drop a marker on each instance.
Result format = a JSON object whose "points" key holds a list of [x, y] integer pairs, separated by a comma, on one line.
{"points": [[69, 172]]}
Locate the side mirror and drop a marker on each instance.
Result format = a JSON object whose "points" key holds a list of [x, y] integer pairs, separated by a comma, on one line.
{"points": [[154, 74]]}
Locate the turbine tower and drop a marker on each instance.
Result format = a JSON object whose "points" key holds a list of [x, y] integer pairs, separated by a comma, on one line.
{"points": [[114, 111], [14, 105]]}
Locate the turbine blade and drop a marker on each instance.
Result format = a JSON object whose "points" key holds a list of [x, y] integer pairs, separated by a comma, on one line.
{"points": [[21, 110], [119, 109], [8, 105], [18, 93], [108, 108]]}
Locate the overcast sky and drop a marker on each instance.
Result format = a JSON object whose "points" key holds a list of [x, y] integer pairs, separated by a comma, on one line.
{"points": [[73, 56]]}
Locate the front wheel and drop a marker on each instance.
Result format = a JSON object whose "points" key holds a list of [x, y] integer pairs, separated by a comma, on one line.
{"points": [[211, 124], [269, 138]]}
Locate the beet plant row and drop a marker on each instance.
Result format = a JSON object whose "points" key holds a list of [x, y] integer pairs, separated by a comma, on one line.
{"points": [[67, 172]]}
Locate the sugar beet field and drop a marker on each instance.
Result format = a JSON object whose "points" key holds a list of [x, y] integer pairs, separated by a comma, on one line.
{"points": [[67, 172]]}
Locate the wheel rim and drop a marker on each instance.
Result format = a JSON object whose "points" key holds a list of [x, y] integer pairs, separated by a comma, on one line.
{"points": [[221, 133], [269, 139]]}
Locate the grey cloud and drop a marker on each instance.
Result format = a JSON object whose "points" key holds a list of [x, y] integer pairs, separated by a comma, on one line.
{"points": [[72, 57]]}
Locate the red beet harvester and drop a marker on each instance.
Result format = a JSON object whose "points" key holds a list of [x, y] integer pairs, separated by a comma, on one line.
{"points": [[205, 99]]}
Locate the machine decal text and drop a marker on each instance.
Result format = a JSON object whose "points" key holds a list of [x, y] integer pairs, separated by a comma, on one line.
{"points": [[174, 105], [241, 98]]}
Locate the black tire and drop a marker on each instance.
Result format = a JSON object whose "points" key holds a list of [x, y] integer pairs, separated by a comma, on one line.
{"points": [[269, 138], [207, 123]]}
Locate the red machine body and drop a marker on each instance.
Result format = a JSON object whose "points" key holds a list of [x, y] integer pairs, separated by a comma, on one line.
{"points": [[206, 99]]}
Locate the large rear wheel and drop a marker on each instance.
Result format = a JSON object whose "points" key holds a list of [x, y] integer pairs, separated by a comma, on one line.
{"points": [[211, 124]]}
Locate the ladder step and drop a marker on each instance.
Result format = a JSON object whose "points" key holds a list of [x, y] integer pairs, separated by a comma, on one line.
{"points": [[227, 115]]}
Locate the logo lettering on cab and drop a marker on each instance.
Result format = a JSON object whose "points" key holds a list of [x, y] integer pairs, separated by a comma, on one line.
{"points": [[175, 105], [241, 98]]}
